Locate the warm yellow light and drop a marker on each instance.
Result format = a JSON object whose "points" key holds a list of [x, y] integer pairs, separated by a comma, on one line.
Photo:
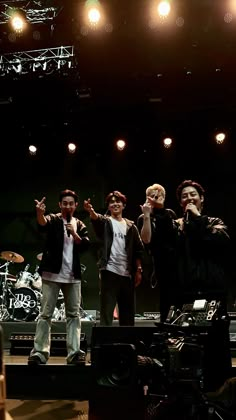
{"points": [[163, 8], [167, 142], [94, 16], [72, 147], [18, 23], [120, 144], [220, 137]]}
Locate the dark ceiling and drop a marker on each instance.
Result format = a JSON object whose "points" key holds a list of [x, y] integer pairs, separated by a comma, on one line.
{"points": [[164, 78]]}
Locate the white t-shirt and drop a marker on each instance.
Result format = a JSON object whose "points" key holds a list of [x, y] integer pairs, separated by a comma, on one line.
{"points": [[66, 274], [118, 261]]}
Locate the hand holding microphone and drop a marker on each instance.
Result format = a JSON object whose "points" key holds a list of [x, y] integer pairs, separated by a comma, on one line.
{"points": [[190, 210], [68, 219]]}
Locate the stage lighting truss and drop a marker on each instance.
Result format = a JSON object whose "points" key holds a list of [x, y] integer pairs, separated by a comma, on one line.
{"points": [[45, 61], [35, 11]]}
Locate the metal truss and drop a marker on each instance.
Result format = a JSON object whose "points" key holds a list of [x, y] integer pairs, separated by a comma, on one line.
{"points": [[47, 60], [35, 11]]}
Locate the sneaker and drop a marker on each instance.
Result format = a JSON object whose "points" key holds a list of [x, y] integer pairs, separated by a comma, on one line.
{"points": [[78, 358], [35, 360]]}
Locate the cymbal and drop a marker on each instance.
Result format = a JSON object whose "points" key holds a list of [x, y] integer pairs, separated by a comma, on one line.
{"points": [[40, 256], [11, 256]]}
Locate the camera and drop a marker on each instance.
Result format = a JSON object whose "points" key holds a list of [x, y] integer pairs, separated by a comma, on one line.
{"points": [[167, 369]]}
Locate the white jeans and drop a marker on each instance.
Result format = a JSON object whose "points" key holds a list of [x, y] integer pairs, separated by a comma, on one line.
{"points": [[72, 297]]}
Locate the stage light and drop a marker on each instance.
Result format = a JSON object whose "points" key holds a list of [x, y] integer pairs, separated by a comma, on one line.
{"points": [[72, 148], [163, 9], [93, 13], [167, 142], [120, 144], [32, 150], [46, 61], [94, 16], [220, 137], [18, 21], [39, 66]]}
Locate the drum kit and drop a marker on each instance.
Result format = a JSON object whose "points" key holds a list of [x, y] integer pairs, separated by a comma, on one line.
{"points": [[20, 295]]}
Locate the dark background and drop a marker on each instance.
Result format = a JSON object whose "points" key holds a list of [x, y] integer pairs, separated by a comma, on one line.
{"points": [[134, 82]]}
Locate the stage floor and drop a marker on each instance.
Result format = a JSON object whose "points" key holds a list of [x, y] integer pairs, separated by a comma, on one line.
{"points": [[53, 360], [23, 359], [47, 410]]}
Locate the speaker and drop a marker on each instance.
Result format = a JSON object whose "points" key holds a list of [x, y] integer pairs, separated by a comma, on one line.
{"points": [[22, 343]]}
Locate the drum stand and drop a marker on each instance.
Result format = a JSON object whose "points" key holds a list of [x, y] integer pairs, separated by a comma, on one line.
{"points": [[4, 314]]}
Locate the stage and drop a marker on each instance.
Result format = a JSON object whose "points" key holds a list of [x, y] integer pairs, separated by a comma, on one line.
{"points": [[57, 380]]}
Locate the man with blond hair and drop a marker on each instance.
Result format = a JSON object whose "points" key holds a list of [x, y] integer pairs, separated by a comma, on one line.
{"points": [[154, 220]]}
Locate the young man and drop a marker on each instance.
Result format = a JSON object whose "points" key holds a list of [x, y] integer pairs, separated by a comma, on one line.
{"points": [[199, 245], [202, 244], [60, 268], [153, 223], [120, 266]]}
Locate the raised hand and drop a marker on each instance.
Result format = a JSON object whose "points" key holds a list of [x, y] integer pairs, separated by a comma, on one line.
{"points": [[146, 208], [88, 206], [40, 205]]}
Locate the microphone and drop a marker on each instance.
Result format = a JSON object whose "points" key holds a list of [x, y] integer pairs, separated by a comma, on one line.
{"points": [[186, 216], [68, 218]]}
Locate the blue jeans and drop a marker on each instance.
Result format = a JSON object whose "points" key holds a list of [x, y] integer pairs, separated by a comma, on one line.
{"points": [[72, 297]]}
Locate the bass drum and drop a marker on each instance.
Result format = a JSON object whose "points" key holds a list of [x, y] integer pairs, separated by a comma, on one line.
{"points": [[23, 304]]}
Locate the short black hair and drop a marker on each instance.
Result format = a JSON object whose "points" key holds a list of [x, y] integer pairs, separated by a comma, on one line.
{"points": [[189, 183], [69, 193], [116, 194]]}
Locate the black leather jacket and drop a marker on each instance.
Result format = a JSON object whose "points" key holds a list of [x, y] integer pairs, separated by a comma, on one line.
{"points": [[134, 246], [190, 257], [52, 253], [201, 248]]}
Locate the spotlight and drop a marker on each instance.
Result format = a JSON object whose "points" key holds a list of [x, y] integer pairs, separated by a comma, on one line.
{"points": [[220, 137], [120, 144], [71, 148], [167, 142], [94, 16], [93, 13], [163, 9], [32, 150], [18, 21]]}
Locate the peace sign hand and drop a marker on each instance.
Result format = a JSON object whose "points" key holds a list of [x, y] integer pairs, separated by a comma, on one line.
{"points": [[40, 206]]}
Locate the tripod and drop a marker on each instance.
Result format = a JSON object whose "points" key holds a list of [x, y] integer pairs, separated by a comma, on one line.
{"points": [[185, 400], [4, 314]]}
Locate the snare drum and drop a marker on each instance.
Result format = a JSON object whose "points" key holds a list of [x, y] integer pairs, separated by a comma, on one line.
{"points": [[24, 279]]}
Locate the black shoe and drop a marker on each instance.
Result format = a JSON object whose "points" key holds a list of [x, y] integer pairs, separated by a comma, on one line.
{"points": [[35, 360], [78, 359]]}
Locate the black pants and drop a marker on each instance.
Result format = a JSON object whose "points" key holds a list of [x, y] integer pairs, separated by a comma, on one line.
{"points": [[116, 289]]}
